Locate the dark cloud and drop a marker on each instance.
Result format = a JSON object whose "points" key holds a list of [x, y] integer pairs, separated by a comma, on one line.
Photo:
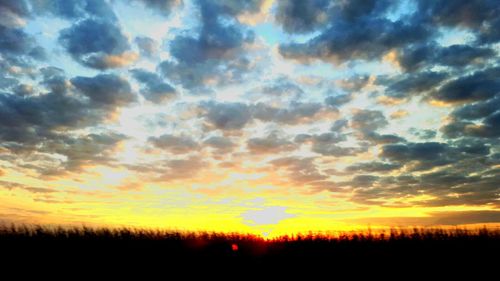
{"points": [[477, 110], [170, 170], [147, 46], [216, 53], [282, 87], [480, 85], [18, 48], [338, 100], [162, 7], [414, 151], [295, 113], [354, 83], [221, 144], [14, 185], [351, 30], [270, 144], [299, 170], [23, 90], [32, 119], [366, 38], [106, 90], [79, 151], [13, 13], [18, 7], [73, 10], [426, 55], [96, 43], [368, 120], [362, 181], [175, 144], [382, 138], [373, 167], [225, 116], [155, 89], [327, 144], [7, 82], [489, 128], [14, 41], [446, 188], [339, 125], [437, 218], [54, 80], [301, 16], [234, 8], [403, 86], [423, 134], [418, 156], [465, 13], [87, 150]]}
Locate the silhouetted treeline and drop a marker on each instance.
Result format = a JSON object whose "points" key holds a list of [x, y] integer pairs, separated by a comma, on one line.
{"points": [[131, 249]]}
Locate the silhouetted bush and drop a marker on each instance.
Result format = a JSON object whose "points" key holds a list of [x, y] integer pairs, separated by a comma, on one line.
{"points": [[128, 248]]}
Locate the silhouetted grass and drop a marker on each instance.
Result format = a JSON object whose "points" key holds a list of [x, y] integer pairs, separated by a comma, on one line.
{"points": [[127, 248]]}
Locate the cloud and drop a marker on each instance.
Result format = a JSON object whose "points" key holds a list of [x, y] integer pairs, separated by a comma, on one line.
{"points": [[365, 37], [13, 12], [179, 169], [436, 219], [418, 156], [404, 86], [221, 144], [381, 138], [373, 167], [216, 55], [174, 144], [489, 128], [425, 134], [225, 116], [301, 16], [327, 144], [106, 90], [295, 113], [368, 120], [270, 144], [414, 151], [480, 85], [446, 187], [338, 100], [19, 48], [459, 13], [75, 9], [478, 119], [282, 87], [155, 89], [477, 110], [339, 125], [97, 43], [418, 56], [80, 151], [360, 181], [300, 171], [32, 119], [162, 7], [147, 46]]}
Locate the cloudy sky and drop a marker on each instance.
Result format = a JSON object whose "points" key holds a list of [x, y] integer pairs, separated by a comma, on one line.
{"points": [[257, 116]]}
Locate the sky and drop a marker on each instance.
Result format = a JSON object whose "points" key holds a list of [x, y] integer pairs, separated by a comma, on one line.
{"points": [[258, 116]]}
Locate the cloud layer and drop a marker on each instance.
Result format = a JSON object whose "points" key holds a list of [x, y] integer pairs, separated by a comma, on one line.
{"points": [[373, 104]]}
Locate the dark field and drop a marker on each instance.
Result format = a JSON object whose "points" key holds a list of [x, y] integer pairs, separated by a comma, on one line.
{"points": [[124, 250]]}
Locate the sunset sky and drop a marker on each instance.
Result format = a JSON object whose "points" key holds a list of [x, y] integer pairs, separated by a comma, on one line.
{"points": [[257, 116]]}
